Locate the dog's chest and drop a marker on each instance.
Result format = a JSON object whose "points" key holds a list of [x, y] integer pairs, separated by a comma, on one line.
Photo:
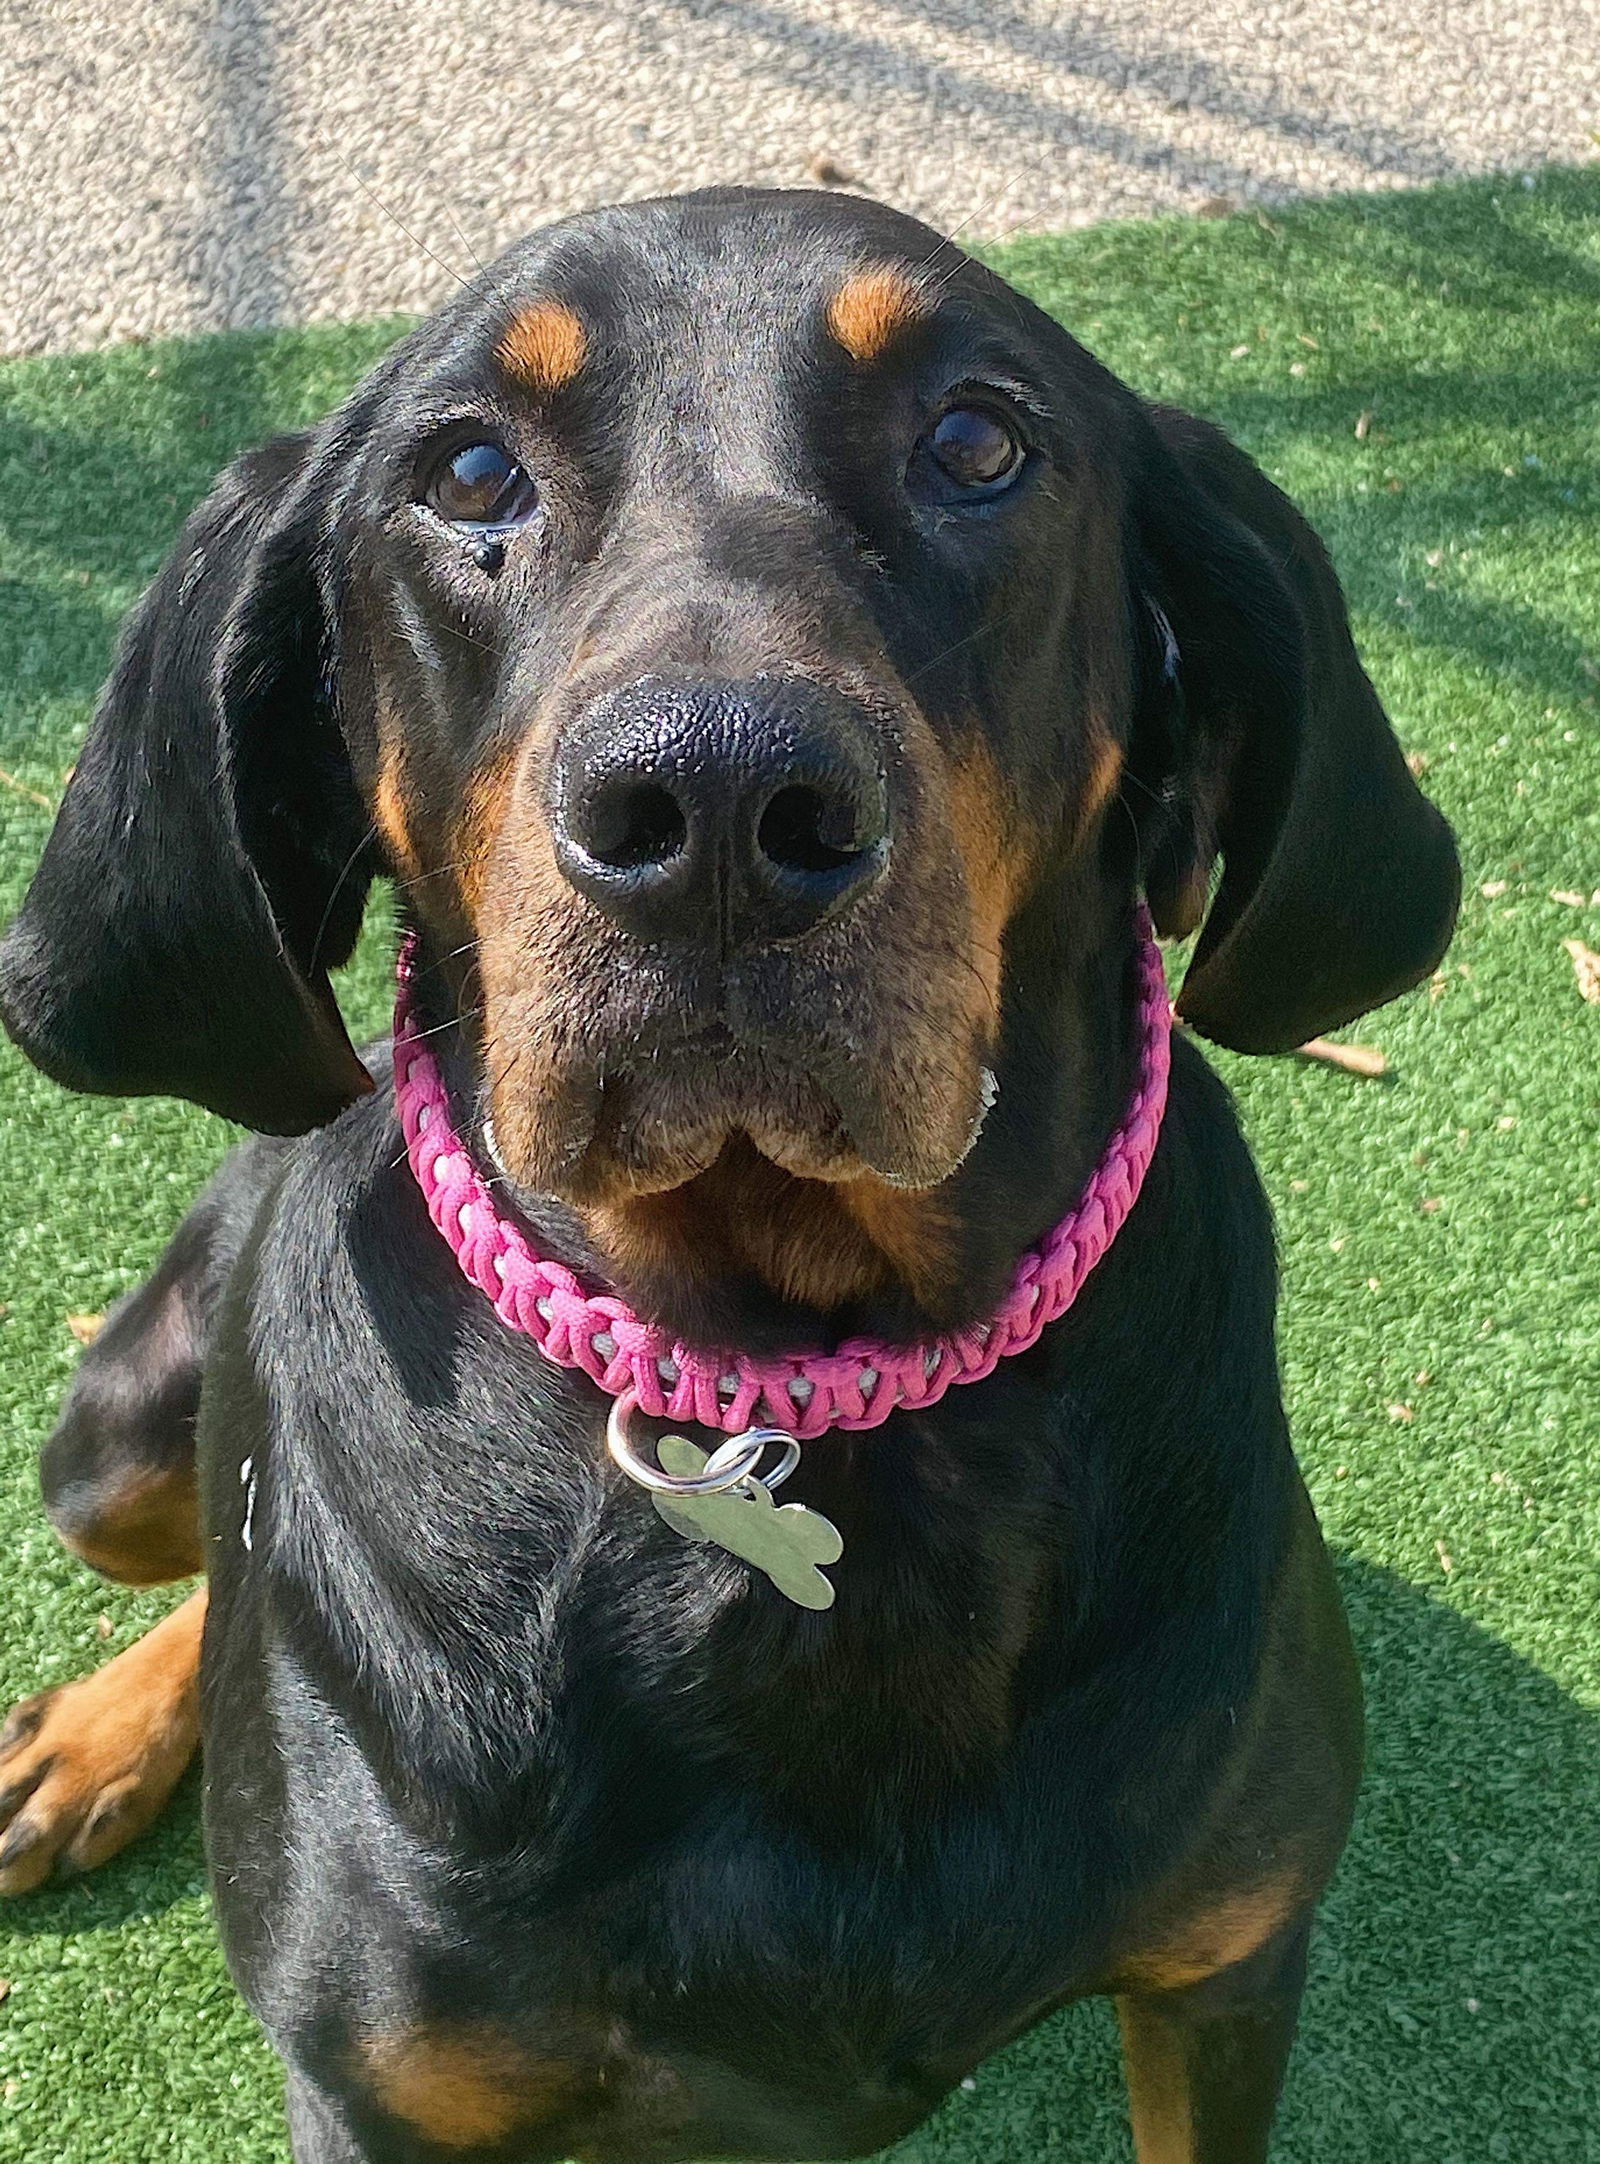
{"points": [[761, 1923]]}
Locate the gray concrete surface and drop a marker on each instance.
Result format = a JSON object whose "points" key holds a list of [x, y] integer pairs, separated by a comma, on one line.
{"points": [[179, 165]]}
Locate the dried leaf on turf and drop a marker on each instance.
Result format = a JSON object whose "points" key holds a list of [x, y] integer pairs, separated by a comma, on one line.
{"points": [[1361, 1059], [1586, 968], [86, 1328]]}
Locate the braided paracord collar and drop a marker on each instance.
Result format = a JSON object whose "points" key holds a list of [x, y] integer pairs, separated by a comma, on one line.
{"points": [[861, 1384]]}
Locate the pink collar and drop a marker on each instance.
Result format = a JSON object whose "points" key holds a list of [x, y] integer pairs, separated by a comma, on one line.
{"points": [[861, 1384]]}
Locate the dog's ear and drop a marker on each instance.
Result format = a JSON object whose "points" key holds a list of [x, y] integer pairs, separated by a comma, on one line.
{"points": [[1268, 746], [209, 860]]}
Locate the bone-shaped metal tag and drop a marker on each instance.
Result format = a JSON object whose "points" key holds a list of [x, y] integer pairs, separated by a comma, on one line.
{"points": [[785, 1542]]}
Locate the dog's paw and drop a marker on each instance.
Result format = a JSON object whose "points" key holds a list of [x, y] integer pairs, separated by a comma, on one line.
{"points": [[86, 1768]]}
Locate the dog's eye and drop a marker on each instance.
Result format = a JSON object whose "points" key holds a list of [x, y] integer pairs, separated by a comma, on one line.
{"points": [[975, 449], [481, 485]]}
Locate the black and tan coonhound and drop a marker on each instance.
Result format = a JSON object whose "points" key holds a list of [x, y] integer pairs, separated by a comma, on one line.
{"points": [[771, 658]]}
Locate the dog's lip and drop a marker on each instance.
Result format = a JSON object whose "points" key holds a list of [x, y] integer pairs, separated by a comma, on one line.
{"points": [[819, 1119]]}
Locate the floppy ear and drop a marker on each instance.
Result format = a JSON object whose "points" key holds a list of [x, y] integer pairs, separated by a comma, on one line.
{"points": [[209, 860], [1340, 882]]}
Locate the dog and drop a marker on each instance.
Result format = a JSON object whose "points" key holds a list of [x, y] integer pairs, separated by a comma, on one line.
{"points": [[775, 664]]}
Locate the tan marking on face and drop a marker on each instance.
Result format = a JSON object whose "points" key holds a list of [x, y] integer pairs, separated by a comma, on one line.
{"points": [[1105, 773], [873, 308], [533, 939], [483, 817], [146, 1532], [743, 1213], [915, 1232], [544, 346], [461, 2085], [996, 867], [96, 1760], [392, 818]]}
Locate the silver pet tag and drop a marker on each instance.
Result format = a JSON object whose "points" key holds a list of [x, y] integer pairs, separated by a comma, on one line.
{"points": [[722, 1498], [785, 1541]]}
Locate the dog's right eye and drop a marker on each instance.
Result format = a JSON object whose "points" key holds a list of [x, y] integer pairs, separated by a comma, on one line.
{"points": [[481, 486]]}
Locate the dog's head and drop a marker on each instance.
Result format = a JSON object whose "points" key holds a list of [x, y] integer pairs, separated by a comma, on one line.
{"points": [[770, 654]]}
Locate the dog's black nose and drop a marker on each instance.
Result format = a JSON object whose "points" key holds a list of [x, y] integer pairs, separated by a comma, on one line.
{"points": [[728, 814]]}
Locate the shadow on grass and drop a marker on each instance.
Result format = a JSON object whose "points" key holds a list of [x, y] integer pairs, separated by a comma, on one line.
{"points": [[1473, 1875], [101, 459]]}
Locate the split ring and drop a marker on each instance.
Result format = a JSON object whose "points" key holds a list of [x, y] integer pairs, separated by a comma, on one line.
{"points": [[733, 1462]]}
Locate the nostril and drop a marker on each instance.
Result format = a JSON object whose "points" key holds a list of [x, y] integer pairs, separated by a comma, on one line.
{"points": [[628, 824], [804, 830]]}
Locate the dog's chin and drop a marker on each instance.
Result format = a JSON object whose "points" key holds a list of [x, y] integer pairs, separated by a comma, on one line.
{"points": [[643, 1132]]}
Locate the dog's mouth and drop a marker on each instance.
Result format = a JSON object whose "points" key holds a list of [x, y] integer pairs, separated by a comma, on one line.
{"points": [[652, 1117]]}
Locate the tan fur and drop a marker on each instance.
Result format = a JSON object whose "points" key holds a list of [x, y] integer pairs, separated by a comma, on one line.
{"points": [[544, 346], [1217, 1936], [393, 819], [984, 822], [1105, 773], [873, 309], [461, 2085], [96, 1760], [147, 1533], [913, 1231], [484, 813]]}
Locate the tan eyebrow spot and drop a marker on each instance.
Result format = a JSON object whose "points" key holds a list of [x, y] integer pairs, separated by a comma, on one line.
{"points": [[544, 346], [874, 308]]}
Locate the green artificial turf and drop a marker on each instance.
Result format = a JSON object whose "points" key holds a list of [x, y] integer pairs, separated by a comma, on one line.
{"points": [[1442, 1290]]}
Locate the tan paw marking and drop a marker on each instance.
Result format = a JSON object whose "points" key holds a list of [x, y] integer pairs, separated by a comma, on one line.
{"points": [[86, 1768]]}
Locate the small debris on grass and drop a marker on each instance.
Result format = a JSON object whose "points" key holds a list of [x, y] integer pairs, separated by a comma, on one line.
{"points": [[1361, 1059], [1492, 889], [1570, 896], [86, 1328], [1446, 1561], [1418, 762], [1405, 1414], [829, 173], [20, 788], [1364, 422], [1238, 353], [1586, 968], [104, 1626], [5, 1989], [1430, 1205]]}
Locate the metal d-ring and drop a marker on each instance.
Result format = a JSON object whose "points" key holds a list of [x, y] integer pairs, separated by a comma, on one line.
{"points": [[731, 1464]]}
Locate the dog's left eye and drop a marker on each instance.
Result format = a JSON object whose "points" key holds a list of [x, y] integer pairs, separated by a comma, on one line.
{"points": [[973, 447], [481, 485]]}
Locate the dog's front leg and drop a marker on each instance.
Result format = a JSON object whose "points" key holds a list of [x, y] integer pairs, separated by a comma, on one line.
{"points": [[88, 1766], [1205, 2064]]}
